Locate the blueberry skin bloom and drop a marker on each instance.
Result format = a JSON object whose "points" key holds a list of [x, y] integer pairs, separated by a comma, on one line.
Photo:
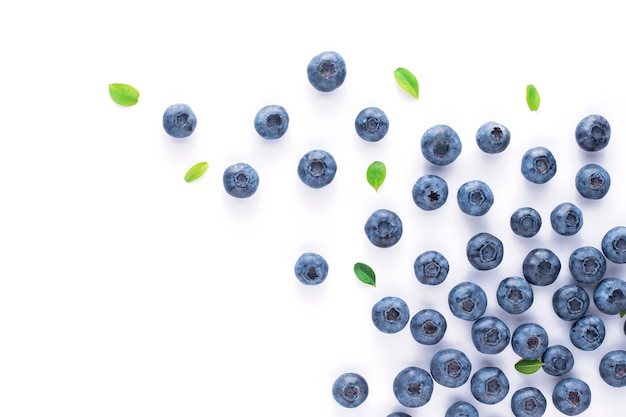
{"points": [[431, 268], [493, 137], [413, 387], [571, 396], [610, 296], [490, 335], [428, 326], [326, 71], [311, 268], [474, 198], [484, 251], [450, 368], [570, 302], [179, 121], [526, 222], [467, 301], [528, 402], [613, 368], [529, 341], [614, 245], [271, 122], [587, 333], [240, 180], [489, 385], [461, 409], [514, 295], [541, 267], [440, 145], [593, 181], [317, 168], [557, 360], [383, 228], [430, 192], [390, 314], [538, 165], [566, 219], [587, 265], [593, 133], [371, 124], [350, 390]]}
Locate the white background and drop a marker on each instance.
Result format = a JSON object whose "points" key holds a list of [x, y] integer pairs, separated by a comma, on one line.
{"points": [[125, 291]]}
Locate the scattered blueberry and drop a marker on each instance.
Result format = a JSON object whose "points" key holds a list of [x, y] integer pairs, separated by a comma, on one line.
{"points": [[538, 165], [528, 402], [515, 295], [431, 268], [413, 387], [450, 368], [587, 333], [311, 268], [350, 390], [566, 219], [474, 198], [390, 314], [383, 228], [529, 341], [493, 137], [399, 414], [614, 245], [593, 133], [467, 301], [430, 192], [613, 368], [525, 222], [461, 409], [326, 71], [179, 120], [240, 180], [609, 295], [317, 168], [593, 181], [484, 251], [541, 267], [271, 122], [440, 145], [571, 396], [428, 326], [557, 360], [371, 124], [489, 385], [587, 265], [570, 302], [490, 335]]}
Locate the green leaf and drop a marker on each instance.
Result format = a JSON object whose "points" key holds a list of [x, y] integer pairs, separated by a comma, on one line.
{"points": [[123, 94], [532, 97], [622, 314], [407, 81], [196, 171], [365, 274], [528, 366], [376, 173]]}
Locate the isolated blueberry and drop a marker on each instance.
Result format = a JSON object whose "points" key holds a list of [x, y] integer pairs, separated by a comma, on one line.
{"points": [[528, 402], [431, 267], [350, 390], [390, 314], [613, 368], [467, 301], [493, 137], [311, 268], [484, 251], [587, 333], [179, 120], [566, 219], [428, 326], [430, 192], [371, 124], [474, 198], [461, 409], [614, 245], [587, 265], [490, 335], [593, 133], [593, 181], [271, 122], [609, 296], [317, 168], [529, 341], [240, 180], [526, 222], [489, 385], [538, 165], [440, 145], [383, 228], [557, 360], [399, 414], [326, 71], [570, 302], [541, 267], [450, 368], [413, 387], [571, 396], [515, 295]]}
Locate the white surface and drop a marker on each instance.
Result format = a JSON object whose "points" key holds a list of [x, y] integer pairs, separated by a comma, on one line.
{"points": [[126, 291]]}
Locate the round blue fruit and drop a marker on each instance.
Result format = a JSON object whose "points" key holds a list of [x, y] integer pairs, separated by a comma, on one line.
{"points": [[528, 402], [493, 137], [271, 122], [609, 295], [383, 228], [371, 124], [240, 180], [593, 133], [430, 192], [571, 396], [557, 360], [390, 314], [514, 295], [484, 251], [614, 245], [317, 168], [570, 302], [587, 265], [613, 368], [179, 121], [593, 181], [440, 145], [529, 341], [311, 268], [474, 198], [538, 165], [326, 71], [350, 390], [490, 335], [450, 368], [489, 385], [587, 333], [566, 219], [413, 387], [467, 301], [428, 326], [461, 409], [431, 268], [525, 222], [541, 267]]}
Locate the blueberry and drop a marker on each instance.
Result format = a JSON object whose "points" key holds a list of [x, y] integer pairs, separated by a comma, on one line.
{"points": [[613, 368], [525, 222], [311, 268], [593, 181], [587, 265], [326, 71], [529, 341], [430, 192], [528, 402], [593, 133], [399, 414], [350, 390], [413, 387], [484, 251], [614, 245], [371, 124], [317, 168], [390, 314], [566, 219], [428, 326], [474, 198], [461, 409], [570, 302], [571, 396], [490, 335], [179, 120], [538, 165], [515, 295], [383, 228], [609, 295], [240, 180], [450, 368], [467, 301], [440, 145], [541, 267], [431, 268], [493, 137], [557, 360], [271, 122], [587, 333], [489, 385]]}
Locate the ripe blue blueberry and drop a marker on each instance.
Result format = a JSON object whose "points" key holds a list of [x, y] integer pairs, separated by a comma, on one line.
{"points": [[350, 390], [490, 335], [609, 295], [593, 133], [430, 192], [529, 341], [326, 71], [570, 302], [526, 222], [317, 168], [489, 385], [431, 267], [399, 414], [179, 121], [571, 396], [538, 165], [474, 198], [461, 409], [541, 267], [450, 368], [514, 295], [528, 402], [587, 265], [613, 368], [428, 326], [413, 387], [614, 245], [311, 268], [271, 122], [593, 181], [390, 314], [493, 137], [587, 333], [557, 360], [484, 251], [240, 180], [383, 228], [467, 301], [566, 219], [371, 124], [440, 145]]}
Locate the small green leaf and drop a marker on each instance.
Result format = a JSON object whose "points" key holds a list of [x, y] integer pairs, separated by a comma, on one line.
{"points": [[365, 274], [123, 94], [407, 81], [528, 366], [196, 171], [532, 97], [622, 314], [376, 173]]}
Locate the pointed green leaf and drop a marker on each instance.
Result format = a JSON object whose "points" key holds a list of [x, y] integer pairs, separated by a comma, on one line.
{"points": [[376, 173], [532, 97], [622, 314], [365, 274], [407, 81], [528, 366], [196, 171], [123, 94]]}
